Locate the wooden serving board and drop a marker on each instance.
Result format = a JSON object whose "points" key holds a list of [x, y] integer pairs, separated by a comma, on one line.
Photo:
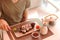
{"points": [[28, 35], [18, 35]]}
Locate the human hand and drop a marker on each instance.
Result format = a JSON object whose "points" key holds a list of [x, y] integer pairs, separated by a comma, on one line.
{"points": [[4, 25]]}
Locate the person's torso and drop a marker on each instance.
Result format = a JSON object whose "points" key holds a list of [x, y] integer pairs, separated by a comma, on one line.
{"points": [[13, 12]]}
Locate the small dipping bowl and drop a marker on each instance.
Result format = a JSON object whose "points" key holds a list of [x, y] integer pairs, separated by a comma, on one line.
{"points": [[35, 34]]}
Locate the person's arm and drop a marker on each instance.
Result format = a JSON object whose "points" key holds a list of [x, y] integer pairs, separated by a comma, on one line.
{"points": [[3, 24], [26, 10], [24, 16]]}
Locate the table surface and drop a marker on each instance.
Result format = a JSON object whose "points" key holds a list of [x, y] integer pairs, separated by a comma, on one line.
{"points": [[54, 29]]}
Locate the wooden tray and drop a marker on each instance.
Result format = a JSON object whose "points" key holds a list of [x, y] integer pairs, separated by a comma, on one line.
{"points": [[17, 36], [20, 34], [29, 35]]}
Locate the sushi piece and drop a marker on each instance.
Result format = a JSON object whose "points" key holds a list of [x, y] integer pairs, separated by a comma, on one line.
{"points": [[27, 27], [23, 31]]}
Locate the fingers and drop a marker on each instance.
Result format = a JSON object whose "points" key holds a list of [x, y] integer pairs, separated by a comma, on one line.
{"points": [[4, 25]]}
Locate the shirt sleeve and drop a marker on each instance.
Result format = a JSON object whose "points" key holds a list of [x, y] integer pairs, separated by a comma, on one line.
{"points": [[27, 3]]}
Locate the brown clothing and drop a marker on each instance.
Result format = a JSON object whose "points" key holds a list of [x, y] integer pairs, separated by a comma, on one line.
{"points": [[13, 13]]}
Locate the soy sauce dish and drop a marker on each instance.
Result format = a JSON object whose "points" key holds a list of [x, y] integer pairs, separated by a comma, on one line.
{"points": [[35, 34]]}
